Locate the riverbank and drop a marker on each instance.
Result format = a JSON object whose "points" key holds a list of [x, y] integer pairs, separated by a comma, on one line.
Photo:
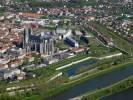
{"points": [[110, 90], [101, 72], [73, 83], [123, 95], [67, 84]]}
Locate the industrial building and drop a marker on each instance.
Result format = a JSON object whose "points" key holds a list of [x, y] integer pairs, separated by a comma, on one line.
{"points": [[72, 42]]}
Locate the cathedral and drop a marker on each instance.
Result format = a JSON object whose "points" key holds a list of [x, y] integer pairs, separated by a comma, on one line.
{"points": [[42, 43]]}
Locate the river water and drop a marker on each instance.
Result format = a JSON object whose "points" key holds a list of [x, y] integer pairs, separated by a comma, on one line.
{"points": [[96, 83]]}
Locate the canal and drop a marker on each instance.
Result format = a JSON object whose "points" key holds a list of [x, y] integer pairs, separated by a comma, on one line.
{"points": [[71, 71], [96, 83]]}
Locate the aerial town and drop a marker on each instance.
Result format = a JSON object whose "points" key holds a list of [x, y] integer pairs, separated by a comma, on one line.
{"points": [[66, 49]]}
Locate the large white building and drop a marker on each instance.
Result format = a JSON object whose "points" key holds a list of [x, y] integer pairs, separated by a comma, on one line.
{"points": [[63, 33]]}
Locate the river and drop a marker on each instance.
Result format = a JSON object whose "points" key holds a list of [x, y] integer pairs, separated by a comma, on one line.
{"points": [[95, 83]]}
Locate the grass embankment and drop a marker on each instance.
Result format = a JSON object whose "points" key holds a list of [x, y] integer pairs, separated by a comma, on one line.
{"points": [[102, 72], [100, 65], [97, 49], [120, 42], [68, 61], [71, 84], [110, 90]]}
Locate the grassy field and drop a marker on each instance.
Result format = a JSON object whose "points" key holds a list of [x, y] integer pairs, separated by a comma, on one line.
{"points": [[68, 60], [97, 49], [120, 42]]}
